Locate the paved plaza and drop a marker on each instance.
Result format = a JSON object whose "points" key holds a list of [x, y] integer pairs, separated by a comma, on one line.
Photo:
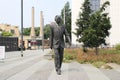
{"points": [[34, 66]]}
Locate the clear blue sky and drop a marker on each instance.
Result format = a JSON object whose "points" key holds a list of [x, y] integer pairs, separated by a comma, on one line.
{"points": [[10, 11]]}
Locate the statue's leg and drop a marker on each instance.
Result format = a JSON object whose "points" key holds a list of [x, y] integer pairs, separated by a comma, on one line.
{"points": [[56, 58], [61, 55]]}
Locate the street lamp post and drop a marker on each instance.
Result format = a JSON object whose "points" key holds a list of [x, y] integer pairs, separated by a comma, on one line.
{"points": [[64, 15], [0, 33], [21, 45]]}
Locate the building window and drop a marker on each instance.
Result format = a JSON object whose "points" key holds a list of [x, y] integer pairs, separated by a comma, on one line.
{"points": [[12, 31]]}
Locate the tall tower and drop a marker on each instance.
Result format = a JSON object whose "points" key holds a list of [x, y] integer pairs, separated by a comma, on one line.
{"points": [[32, 33], [41, 35], [41, 24]]}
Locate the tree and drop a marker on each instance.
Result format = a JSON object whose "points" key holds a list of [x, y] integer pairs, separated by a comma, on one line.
{"points": [[37, 31], [47, 31], [66, 17], [1, 30], [26, 31], [97, 29], [83, 21], [5, 33]]}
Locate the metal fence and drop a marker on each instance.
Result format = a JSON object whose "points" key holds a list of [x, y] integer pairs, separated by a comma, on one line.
{"points": [[10, 43]]}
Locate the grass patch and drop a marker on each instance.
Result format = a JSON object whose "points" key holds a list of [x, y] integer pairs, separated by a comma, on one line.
{"points": [[70, 55], [105, 56], [109, 51], [117, 47], [98, 64]]}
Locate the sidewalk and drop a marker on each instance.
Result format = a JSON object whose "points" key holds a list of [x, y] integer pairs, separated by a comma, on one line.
{"points": [[33, 66]]}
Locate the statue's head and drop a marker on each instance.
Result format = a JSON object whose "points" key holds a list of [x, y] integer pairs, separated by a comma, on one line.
{"points": [[58, 19]]}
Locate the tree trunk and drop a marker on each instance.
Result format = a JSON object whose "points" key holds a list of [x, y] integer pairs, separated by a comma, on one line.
{"points": [[96, 50], [84, 49]]}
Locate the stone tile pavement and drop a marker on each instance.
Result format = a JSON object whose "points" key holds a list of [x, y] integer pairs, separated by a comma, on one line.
{"points": [[33, 66]]}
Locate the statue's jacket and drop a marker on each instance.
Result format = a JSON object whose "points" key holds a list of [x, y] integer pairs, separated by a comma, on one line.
{"points": [[57, 35]]}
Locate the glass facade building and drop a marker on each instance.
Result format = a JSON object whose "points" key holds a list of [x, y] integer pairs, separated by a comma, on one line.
{"points": [[95, 4]]}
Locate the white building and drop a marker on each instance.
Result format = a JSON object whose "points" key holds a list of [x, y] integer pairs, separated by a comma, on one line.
{"points": [[114, 13], [76, 4], [115, 21]]}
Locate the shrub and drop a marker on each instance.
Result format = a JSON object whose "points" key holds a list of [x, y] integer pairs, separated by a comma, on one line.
{"points": [[90, 57], [117, 47], [69, 57], [4, 33], [98, 64]]}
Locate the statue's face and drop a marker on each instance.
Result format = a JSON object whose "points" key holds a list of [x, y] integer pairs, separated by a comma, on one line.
{"points": [[58, 19]]}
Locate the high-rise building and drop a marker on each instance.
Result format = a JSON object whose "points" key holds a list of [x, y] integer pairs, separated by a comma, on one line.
{"points": [[114, 14], [95, 4]]}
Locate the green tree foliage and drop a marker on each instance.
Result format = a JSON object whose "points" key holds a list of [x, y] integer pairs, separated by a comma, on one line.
{"points": [[5, 33], [37, 31], [26, 31], [1, 30], [47, 31], [97, 29], [83, 20], [66, 12]]}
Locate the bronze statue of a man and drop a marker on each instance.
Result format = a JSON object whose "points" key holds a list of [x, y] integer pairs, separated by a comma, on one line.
{"points": [[58, 31]]}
